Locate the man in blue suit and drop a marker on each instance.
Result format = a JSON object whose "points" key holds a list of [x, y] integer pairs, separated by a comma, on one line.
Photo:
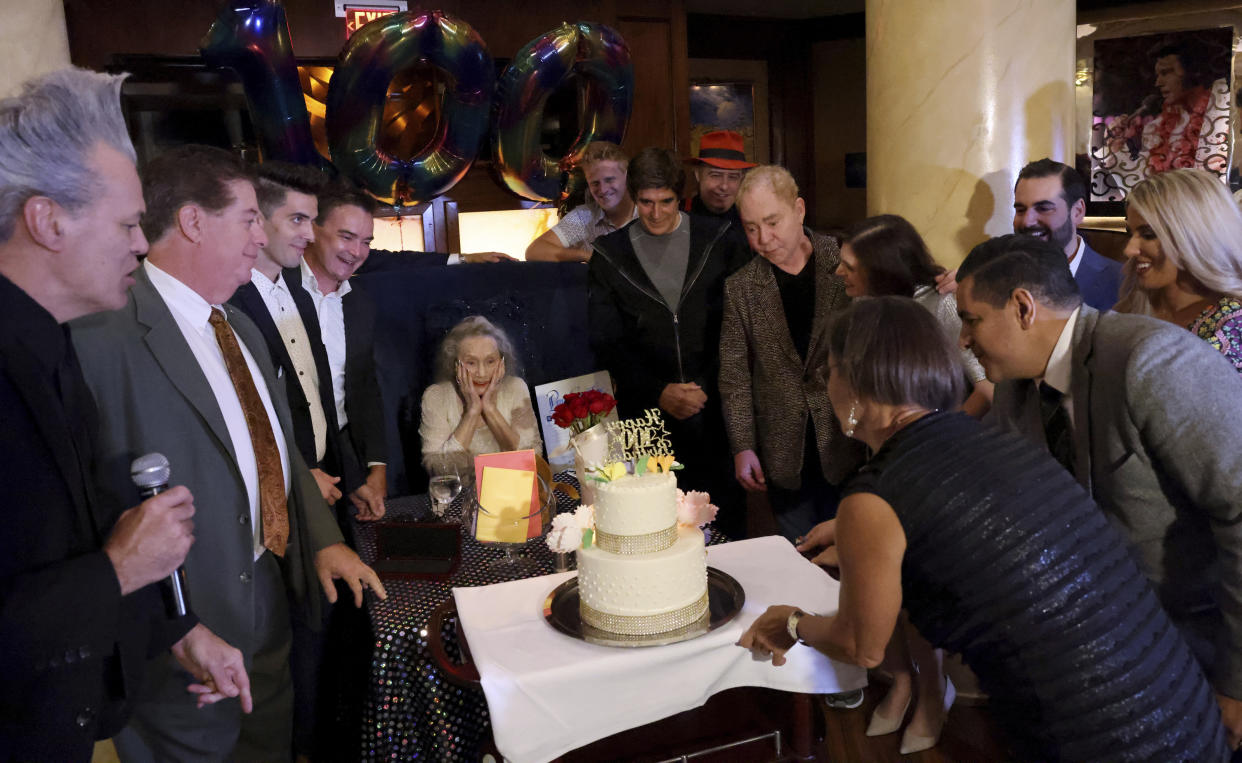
{"points": [[1049, 202]]}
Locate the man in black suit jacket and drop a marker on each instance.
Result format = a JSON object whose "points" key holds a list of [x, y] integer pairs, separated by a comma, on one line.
{"points": [[285, 314], [78, 616], [344, 229]]}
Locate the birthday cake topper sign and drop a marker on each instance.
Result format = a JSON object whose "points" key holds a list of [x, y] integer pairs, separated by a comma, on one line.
{"points": [[638, 439], [640, 444]]}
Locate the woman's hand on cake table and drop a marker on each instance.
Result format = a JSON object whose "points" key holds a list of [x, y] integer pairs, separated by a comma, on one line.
{"points": [[749, 472], [768, 635], [488, 398], [823, 537], [473, 401], [682, 400]]}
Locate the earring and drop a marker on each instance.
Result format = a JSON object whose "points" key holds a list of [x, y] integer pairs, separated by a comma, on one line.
{"points": [[851, 420]]}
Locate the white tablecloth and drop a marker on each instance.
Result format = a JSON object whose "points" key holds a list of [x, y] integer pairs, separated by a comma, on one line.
{"points": [[548, 693]]}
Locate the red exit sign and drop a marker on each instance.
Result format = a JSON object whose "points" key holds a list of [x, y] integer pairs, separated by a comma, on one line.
{"points": [[356, 17]]}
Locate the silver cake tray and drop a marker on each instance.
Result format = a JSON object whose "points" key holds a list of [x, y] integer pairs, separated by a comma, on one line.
{"points": [[725, 598]]}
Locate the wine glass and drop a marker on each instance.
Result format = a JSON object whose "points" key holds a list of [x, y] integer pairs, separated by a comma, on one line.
{"points": [[513, 557], [444, 485]]}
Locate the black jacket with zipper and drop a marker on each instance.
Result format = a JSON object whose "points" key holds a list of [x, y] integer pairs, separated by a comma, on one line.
{"points": [[642, 341]]}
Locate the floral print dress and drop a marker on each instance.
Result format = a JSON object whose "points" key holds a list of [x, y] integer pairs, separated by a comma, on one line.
{"points": [[1221, 326]]}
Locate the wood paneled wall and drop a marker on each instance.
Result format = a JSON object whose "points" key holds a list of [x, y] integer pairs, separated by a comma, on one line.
{"points": [[787, 47]]}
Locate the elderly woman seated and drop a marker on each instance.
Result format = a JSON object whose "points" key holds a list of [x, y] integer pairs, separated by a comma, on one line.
{"points": [[995, 552], [475, 406]]}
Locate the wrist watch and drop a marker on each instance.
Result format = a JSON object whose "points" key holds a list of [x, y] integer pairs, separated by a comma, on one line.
{"points": [[791, 625]]}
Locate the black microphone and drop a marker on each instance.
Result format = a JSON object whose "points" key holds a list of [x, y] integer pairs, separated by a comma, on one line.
{"points": [[150, 473], [1152, 104]]}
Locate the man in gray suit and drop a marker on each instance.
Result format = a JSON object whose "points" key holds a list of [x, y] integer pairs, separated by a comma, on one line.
{"points": [[784, 437], [1144, 414], [175, 371]]}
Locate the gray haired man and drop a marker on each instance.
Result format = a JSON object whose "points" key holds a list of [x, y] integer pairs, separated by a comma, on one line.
{"points": [[78, 613]]}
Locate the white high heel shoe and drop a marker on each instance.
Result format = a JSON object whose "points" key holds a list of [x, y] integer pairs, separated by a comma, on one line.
{"points": [[879, 725], [912, 743]]}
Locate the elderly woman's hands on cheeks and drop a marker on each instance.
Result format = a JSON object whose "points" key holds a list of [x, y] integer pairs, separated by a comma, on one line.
{"points": [[768, 637], [465, 387], [488, 397], [479, 400]]}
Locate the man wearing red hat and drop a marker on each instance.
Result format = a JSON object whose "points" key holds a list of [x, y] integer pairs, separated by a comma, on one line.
{"points": [[719, 169]]}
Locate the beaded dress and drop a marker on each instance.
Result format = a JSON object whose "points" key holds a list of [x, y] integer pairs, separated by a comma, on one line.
{"points": [[1010, 563], [1221, 326]]}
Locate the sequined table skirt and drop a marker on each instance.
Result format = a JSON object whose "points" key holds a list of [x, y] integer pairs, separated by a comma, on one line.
{"points": [[411, 712]]}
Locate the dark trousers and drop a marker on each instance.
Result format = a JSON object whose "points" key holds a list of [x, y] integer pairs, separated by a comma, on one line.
{"points": [[797, 511], [330, 660], [163, 730], [814, 501], [330, 663], [702, 447]]}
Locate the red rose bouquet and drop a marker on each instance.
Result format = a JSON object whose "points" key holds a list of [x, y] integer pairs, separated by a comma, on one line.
{"points": [[583, 410]]}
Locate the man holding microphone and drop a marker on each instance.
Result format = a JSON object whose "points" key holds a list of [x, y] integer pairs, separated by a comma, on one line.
{"points": [[78, 616]]}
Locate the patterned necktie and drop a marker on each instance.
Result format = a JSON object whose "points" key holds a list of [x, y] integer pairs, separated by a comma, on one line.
{"points": [[272, 502], [1057, 431]]}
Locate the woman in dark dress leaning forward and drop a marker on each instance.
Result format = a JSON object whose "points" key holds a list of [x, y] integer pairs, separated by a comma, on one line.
{"points": [[997, 553]]}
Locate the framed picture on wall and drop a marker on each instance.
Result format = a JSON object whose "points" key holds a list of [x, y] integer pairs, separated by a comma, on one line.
{"points": [[1154, 95], [723, 106]]}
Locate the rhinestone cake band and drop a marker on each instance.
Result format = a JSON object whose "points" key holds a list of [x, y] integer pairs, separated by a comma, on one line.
{"points": [[696, 628], [629, 545], [645, 625]]}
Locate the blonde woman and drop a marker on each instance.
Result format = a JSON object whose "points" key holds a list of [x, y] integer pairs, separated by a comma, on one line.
{"points": [[1184, 257]]}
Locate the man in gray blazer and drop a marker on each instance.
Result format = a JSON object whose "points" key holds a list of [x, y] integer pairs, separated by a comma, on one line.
{"points": [[1144, 414], [175, 371], [785, 439]]}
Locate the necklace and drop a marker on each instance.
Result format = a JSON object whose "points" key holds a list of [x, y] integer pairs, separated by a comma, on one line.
{"points": [[902, 421], [909, 417]]}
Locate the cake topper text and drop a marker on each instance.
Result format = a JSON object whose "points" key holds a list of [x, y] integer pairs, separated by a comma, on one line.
{"points": [[634, 439]]}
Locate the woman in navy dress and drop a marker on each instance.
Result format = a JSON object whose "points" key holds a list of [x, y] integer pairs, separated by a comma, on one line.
{"points": [[996, 553]]}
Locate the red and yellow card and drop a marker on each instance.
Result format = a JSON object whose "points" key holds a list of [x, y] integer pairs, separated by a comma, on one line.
{"points": [[509, 491]]}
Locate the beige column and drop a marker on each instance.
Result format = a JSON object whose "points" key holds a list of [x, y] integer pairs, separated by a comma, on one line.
{"points": [[33, 40], [960, 95]]}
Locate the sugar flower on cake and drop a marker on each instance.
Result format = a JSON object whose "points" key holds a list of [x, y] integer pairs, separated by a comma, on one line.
{"points": [[585, 516], [565, 535], [694, 509], [606, 472], [569, 531]]}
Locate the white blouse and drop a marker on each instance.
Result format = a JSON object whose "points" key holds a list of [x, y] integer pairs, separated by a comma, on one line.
{"points": [[944, 307], [442, 412]]}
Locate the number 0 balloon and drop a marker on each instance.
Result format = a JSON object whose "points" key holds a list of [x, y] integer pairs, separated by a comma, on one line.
{"points": [[252, 37], [600, 57], [359, 88]]}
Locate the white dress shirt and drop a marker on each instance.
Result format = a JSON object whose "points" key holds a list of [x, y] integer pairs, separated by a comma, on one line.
{"points": [[332, 328], [1076, 260], [288, 320], [1060, 365], [192, 313]]}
